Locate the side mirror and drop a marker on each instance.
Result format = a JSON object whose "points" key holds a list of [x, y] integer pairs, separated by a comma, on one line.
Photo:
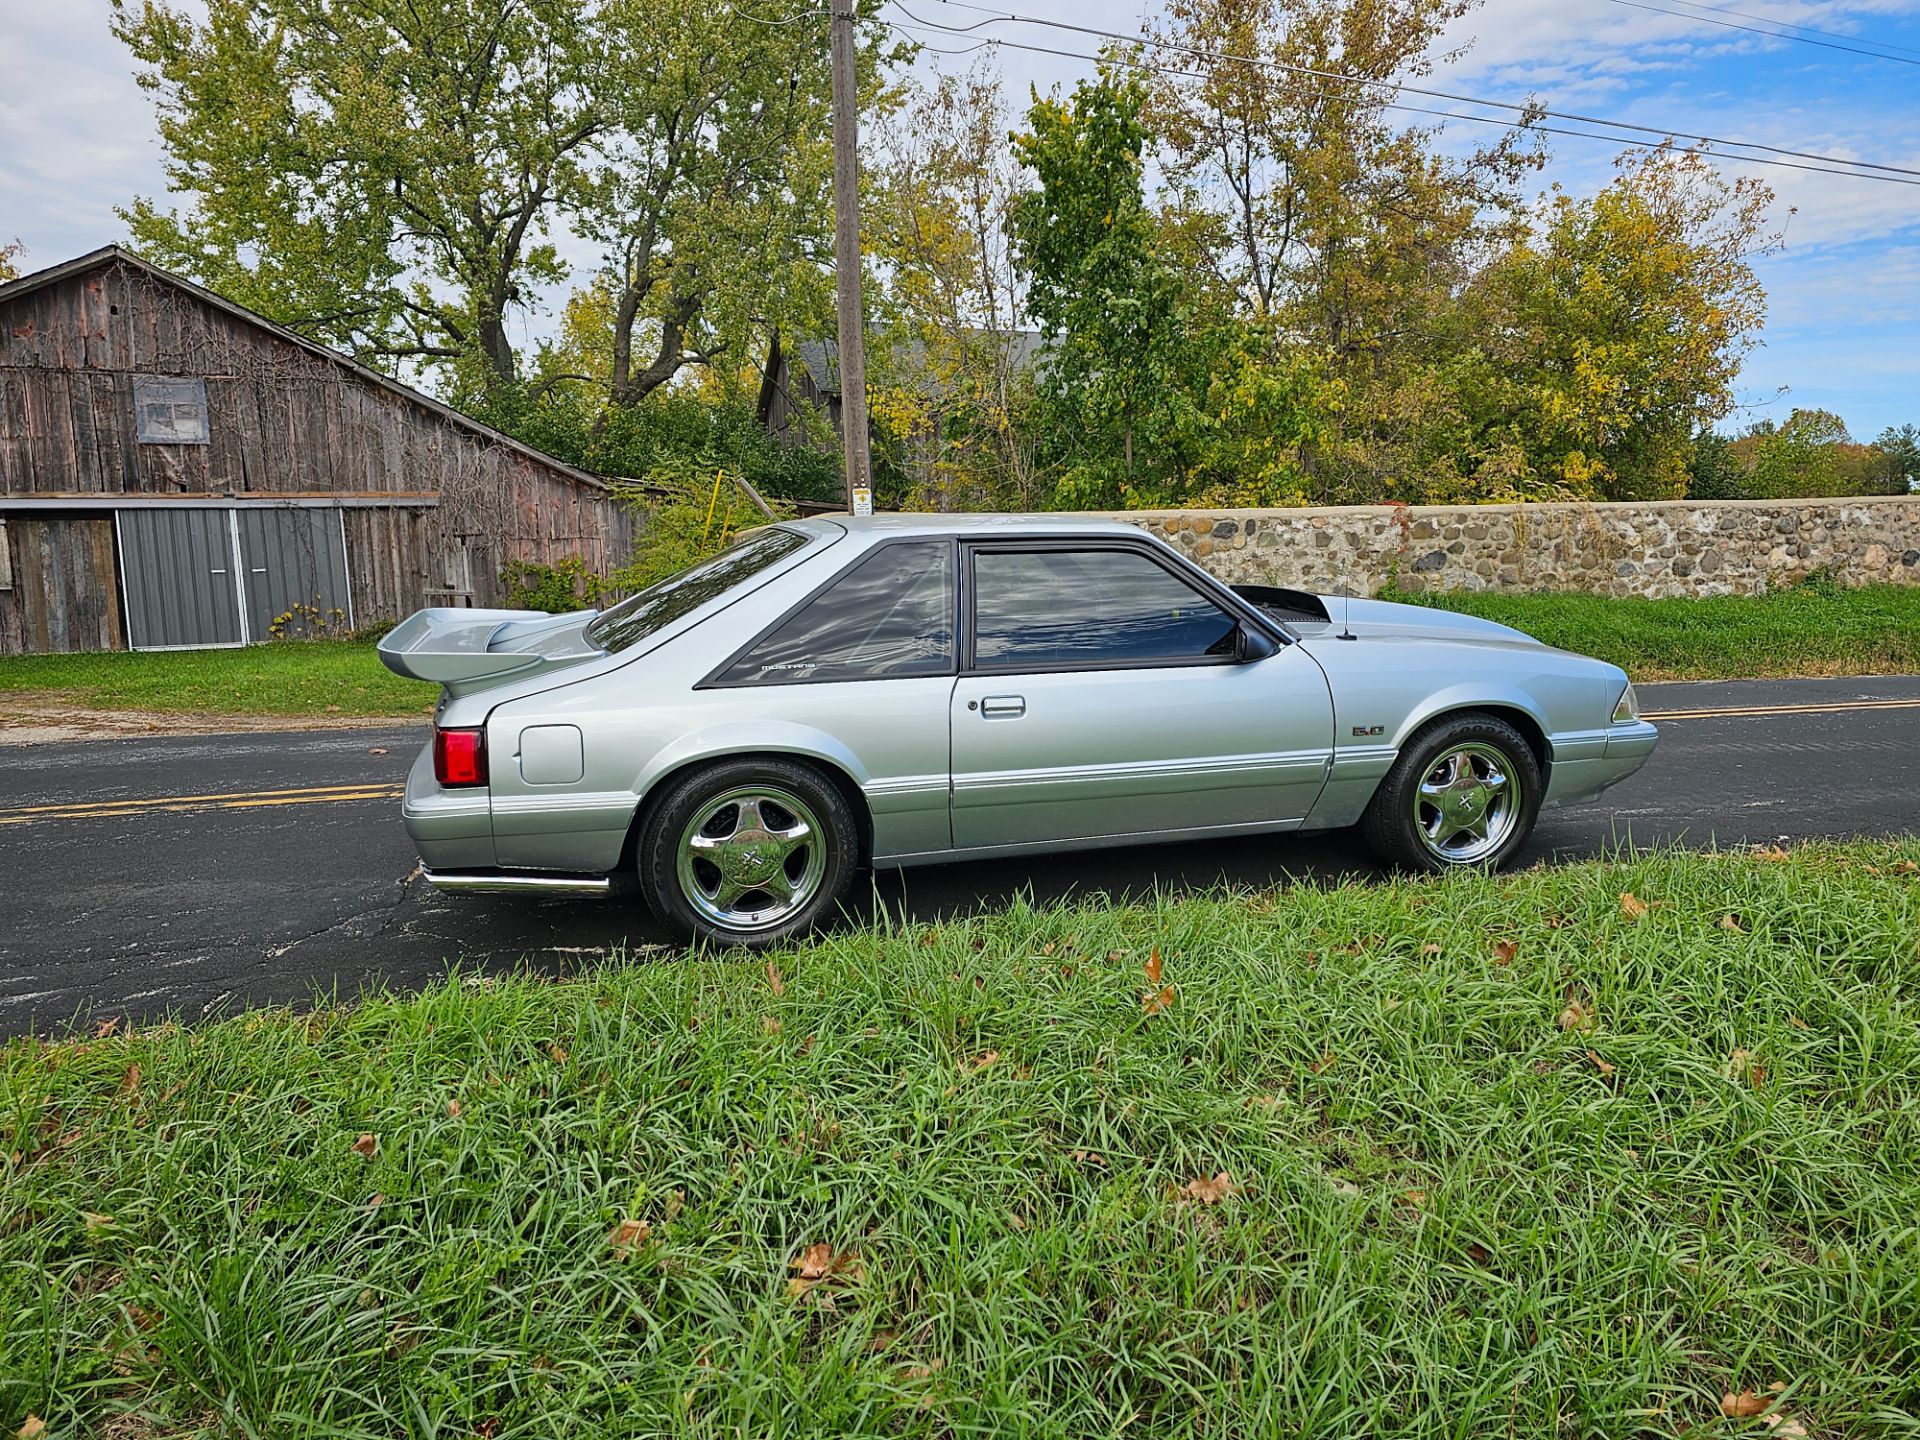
{"points": [[1250, 645]]}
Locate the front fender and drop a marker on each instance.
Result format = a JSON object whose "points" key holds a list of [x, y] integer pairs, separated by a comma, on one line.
{"points": [[1480, 695]]}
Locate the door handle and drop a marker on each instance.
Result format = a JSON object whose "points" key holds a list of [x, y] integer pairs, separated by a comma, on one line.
{"points": [[1002, 707]]}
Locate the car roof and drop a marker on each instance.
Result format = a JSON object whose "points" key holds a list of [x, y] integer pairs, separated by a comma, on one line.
{"points": [[975, 524]]}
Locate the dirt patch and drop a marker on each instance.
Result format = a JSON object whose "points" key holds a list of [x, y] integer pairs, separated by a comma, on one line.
{"points": [[29, 717]]}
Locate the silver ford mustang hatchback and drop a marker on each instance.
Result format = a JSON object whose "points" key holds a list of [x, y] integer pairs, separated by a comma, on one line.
{"points": [[831, 694]]}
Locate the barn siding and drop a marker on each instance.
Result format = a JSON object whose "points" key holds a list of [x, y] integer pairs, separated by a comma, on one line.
{"points": [[281, 420], [64, 594]]}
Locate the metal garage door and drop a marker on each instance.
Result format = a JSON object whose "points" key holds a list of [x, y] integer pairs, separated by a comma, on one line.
{"points": [[201, 577], [289, 558], [177, 572]]}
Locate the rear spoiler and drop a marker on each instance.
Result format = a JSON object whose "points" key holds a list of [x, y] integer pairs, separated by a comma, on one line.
{"points": [[457, 647]]}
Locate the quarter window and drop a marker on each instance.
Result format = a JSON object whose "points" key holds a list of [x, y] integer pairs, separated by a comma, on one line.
{"points": [[890, 616], [1046, 609], [665, 601]]}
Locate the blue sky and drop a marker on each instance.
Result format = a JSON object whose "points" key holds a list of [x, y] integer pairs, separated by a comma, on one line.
{"points": [[76, 139]]}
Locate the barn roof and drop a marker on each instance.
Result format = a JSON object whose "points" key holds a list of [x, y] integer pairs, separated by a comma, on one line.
{"points": [[108, 254]]}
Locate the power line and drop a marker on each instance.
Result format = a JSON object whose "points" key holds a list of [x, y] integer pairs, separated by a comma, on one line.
{"points": [[1793, 25], [1440, 114], [997, 16], [1830, 44]]}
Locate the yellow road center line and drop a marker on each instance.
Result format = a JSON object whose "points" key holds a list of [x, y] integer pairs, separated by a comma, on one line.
{"points": [[262, 801], [320, 791], [1832, 707]]}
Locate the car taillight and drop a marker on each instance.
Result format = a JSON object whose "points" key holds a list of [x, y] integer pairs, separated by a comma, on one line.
{"points": [[460, 757]]}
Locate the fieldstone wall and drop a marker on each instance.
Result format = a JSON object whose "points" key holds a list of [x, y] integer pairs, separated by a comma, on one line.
{"points": [[1675, 547]]}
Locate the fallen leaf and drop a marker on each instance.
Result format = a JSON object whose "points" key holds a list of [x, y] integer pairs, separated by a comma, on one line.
{"points": [[806, 1045], [1430, 948], [1743, 1406], [106, 1027], [1785, 1427], [770, 1024], [1416, 1198], [1773, 854], [1211, 1192], [774, 981], [1796, 1022], [1347, 1188], [627, 1236], [365, 1145], [1504, 951], [818, 1265], [1323, 1064], [557, 1053], [1741, 1066], [1602, 1066], [1632, 906], [1732, 922], [979, 1062], [1154, 1001], [96, 1221], [377, 1201], [130, 1082], [377, 750], [1576, 1016], [1153, 967], [1088, 1157], [33, 1429], [453, 1108]]}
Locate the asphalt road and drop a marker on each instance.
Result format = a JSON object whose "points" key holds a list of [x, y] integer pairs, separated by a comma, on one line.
{"points": [[194, 876]]}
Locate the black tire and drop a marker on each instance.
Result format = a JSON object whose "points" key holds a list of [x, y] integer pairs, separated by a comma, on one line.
{"points": [[1392, 826], [690, 897]]}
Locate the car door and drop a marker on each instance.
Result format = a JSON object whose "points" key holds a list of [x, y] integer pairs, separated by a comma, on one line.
{"points": [[1103, 696]]}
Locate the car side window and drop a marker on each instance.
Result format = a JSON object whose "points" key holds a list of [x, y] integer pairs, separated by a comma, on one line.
{"points": [[1035, 609], [889, 616]]}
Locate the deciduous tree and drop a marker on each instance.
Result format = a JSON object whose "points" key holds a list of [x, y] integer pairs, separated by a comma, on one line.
{"points": [[377, 173]]}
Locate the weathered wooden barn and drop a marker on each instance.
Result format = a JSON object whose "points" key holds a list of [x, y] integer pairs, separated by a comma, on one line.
{"points": [[176, 470]]}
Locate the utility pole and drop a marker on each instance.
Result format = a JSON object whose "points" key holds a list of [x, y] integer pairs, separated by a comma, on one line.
{"points": [[846, 263]]}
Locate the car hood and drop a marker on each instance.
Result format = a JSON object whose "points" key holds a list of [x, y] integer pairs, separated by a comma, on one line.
{"points": [[1388, 620]]}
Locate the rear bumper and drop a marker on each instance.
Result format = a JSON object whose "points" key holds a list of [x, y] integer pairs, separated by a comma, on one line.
{"points": [[452, 829]]}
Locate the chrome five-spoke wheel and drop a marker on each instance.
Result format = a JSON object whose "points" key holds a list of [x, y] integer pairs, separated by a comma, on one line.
{"points": [[749, 851], [751, 857], [1466, 804], [1464, 791]]}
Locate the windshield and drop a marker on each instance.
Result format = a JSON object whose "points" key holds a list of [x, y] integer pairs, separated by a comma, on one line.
{"points": [[660, 604]]}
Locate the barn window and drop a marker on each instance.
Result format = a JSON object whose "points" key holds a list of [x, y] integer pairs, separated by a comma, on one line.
{"points": [[170, 410]]}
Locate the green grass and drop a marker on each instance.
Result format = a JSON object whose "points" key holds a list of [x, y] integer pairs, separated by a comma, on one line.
{"points": [[1807, 630], [1451, 1216], [316, 677]]}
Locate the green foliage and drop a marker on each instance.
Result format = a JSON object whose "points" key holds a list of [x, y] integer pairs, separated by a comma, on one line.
{"points": [[1810, 453], [376, 175], [558, 589], [1359, 1178], [679, 429], [1149, 399], [691, 512], [303, 621], [1614, 336]]}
